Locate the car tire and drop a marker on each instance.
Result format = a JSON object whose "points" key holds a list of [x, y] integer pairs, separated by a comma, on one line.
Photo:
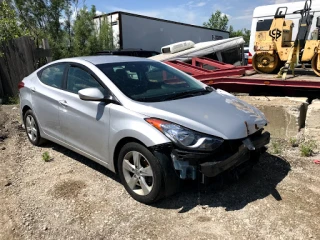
{"points": [[141, 173], [32, 128]]}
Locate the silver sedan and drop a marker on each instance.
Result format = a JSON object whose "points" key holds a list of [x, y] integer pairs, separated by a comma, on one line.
{"points": [[150, 123]]}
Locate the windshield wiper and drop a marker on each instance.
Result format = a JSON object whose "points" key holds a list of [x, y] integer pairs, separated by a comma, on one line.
{"points": [[147, 99], [190, 93]]}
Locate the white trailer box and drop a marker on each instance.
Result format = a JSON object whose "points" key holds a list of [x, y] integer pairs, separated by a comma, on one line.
{"points": [[148, 33]]}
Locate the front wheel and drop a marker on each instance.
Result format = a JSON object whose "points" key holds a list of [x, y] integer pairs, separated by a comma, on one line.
{"points": [[141, 173]]}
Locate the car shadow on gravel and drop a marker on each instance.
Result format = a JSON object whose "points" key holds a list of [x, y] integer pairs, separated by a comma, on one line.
{"points": [[229, 194], [81, 159], [223, 192]]}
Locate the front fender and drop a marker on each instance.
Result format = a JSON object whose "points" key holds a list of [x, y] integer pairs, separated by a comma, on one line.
{"points": [[125, 123]]}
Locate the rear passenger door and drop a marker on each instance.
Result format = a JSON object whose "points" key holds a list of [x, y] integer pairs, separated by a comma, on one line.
{"points": [[46, 94], [85, 124]]}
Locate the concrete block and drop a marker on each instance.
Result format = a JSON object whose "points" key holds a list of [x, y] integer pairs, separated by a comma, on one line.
{"points": [[286, 115], [312, 129]]}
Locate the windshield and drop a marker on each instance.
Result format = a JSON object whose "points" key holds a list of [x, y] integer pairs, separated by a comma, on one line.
{"points": [[148, 81]]}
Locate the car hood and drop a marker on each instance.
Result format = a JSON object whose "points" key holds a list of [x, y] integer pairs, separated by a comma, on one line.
{"points": [[217, 113]]}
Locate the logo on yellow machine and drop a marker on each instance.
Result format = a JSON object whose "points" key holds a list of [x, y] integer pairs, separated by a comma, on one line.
{"points": [[275, 33]]}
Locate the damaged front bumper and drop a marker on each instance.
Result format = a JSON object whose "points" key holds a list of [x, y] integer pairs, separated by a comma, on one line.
{"points": [[188, 163], [212, 169]]}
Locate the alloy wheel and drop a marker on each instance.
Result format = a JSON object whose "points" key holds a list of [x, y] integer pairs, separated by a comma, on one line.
{"points": [[137, 173]]}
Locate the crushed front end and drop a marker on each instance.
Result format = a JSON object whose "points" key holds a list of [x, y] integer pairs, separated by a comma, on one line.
{"points": [[230, 155]]}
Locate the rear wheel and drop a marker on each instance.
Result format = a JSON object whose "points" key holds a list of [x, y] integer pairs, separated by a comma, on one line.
{"points": [[32, 128], [314, 63], [141, 173], [266, 63]]}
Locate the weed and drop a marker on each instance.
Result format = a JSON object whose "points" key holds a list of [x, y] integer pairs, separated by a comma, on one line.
{"points": [[46, 157], [294, 142], [276, 146], [307, 148]]}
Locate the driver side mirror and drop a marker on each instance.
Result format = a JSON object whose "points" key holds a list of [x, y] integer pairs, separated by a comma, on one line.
{"points": [[93, 94]]}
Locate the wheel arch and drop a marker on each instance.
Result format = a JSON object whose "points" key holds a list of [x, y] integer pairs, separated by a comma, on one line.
{"points": [[171, 181], [118, 147], [25, 109]]}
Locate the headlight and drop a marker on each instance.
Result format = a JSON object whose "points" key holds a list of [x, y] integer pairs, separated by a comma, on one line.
{"points": [[184, 137]]}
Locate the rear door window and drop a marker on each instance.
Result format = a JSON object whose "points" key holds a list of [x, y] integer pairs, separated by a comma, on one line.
{"points": [[53, 75]]}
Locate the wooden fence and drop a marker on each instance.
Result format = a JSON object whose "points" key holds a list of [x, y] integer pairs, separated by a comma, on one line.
{"points": [[17, 61]]}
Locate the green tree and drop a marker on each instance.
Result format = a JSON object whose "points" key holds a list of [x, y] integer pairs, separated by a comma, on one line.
{"points": [[245, 33], [217, 21], [53, 20], [70, 11], [54, 31], [42, 19], [90, 38], [85, 34], [220, 21], [9, 26], [105, 35], [68, 27]]}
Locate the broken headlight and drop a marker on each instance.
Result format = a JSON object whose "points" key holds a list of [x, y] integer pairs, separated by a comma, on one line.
{"points": [[185, 137]]}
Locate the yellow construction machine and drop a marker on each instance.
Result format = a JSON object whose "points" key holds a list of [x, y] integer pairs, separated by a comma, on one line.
{"points": [[274, 48]]}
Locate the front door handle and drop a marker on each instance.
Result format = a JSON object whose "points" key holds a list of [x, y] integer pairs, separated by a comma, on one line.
{"points": [[63, 103]]}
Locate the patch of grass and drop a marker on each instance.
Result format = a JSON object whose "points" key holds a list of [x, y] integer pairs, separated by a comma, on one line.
{"points": [[307, 148], [46, 157], [294, 142], [11, 100], [276, 147]]}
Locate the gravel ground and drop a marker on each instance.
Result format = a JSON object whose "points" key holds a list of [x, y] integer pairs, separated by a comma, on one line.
{"points": [[71, 197]]}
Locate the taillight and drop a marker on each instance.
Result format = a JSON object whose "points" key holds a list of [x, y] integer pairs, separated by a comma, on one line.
{"points": [[249, 58], [20, 85]]}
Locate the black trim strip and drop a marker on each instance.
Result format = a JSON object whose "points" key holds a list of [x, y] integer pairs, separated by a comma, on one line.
{"points": [[120, 32], [84, 68]]}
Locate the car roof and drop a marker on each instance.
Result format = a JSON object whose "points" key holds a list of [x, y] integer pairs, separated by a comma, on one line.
{"points": [[102, 59]]}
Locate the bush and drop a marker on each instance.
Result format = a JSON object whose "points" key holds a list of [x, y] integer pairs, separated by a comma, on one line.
{"points": [[307, 148], [294, 142], [46, 157]]}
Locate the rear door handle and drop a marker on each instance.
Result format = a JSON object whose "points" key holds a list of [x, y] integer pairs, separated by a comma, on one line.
{"points": [[63, 103], [33, 89]]}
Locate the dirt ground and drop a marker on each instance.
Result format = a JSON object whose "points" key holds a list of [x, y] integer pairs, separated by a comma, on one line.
{"points": [[72, 197]]}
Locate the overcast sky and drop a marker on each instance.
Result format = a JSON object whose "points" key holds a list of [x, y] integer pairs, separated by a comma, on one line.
{"points": [[192, 12]]}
